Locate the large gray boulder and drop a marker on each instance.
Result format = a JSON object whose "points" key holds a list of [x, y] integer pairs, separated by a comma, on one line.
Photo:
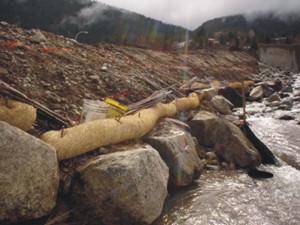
{"points": [[28, 175], [226, 139], [177, 148], [127, 187]]}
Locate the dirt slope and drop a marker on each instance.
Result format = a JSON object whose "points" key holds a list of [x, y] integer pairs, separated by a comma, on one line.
{"points": [[60, 72]]}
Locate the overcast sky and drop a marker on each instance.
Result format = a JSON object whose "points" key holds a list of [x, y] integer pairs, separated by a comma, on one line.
{"points": [[192, 13]]}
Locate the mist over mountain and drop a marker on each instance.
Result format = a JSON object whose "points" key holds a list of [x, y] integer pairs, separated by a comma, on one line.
{"points": [[109, 24], [102, 22], [263, 25]]}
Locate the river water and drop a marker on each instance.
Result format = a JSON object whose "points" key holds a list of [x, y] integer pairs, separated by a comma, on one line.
{"points": [[232, 197]]}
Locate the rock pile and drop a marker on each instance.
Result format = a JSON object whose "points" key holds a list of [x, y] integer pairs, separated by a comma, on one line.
{"points": [[60, 73], [275, 92], [115, 184]]}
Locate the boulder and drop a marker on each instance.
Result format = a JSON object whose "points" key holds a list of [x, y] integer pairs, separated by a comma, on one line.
{"points": [[209, 93], [283, 95], [257, 93], [226, 140], [296, 99], [276, 85], [232, 95], [287, 103], [177, 148], [274, 98], [38, 37], [28, 175], [273, 104], [262, 90], [127, 187], [267, 90], [288, 88], [222, 105], [287, 117]]}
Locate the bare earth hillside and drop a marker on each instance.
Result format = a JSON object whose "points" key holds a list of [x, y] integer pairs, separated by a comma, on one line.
{"points": [[60, 72]]}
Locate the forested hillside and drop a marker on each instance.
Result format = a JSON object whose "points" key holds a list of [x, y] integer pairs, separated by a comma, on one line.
{"points": [[259, 27], [102, 22]]}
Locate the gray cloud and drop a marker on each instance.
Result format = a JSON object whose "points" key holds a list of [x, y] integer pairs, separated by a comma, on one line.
{"points": [[192, 13]]}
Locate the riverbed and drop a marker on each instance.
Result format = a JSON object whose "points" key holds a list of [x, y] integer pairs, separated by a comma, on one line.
{"points": [[234, 198]]}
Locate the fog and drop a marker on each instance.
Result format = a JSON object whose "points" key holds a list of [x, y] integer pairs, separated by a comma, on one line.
{"points": [[192, 13]]}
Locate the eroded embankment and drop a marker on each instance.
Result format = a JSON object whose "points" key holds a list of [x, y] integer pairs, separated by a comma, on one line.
{"points": [[60, 73]]}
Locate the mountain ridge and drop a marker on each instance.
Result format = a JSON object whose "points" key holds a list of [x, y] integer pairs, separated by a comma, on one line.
{"points": [[104, 23], [264, 25]]}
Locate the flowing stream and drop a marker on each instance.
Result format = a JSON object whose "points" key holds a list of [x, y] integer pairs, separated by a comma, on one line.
{"points": [[232, 197]]}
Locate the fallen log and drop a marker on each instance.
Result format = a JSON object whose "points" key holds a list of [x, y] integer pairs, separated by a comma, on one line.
{"points": [[86, 137]]}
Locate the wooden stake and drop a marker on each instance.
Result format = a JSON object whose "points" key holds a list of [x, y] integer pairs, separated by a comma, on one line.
{"points": [[244, 101]]}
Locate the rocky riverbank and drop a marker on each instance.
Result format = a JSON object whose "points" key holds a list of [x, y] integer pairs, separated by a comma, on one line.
{"points": [[232, 197], [128, 182]]}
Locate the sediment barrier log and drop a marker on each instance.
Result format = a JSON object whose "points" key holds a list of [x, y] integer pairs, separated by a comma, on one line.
{"points": [[86, 137]]}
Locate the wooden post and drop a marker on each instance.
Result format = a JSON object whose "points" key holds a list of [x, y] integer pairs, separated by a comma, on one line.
{"points": [[244, 101]]}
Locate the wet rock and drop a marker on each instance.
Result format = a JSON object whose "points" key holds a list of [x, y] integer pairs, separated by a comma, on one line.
{"points": [[273, 104], [222, 105], [259, 174], [267, 90], [287, 117], [288, 88], [28, 175], [226, 139], [296, 99], [273, 98], [263, 90], [283, 95], [127, 187], [232, 95], [177, 148], [257, 93], [287, 103], [276, 85]]}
